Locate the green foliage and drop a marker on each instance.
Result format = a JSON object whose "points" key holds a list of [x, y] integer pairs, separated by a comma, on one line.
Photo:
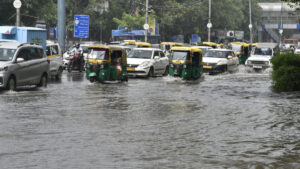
{"points": [[130, 21], [286, 73]]}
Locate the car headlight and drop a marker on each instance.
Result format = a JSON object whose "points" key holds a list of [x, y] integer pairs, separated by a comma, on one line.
{"points": [[222, 62], [145, 64], [3, 69]]}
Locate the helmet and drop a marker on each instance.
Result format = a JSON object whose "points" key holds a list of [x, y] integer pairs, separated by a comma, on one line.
{"points": [[77, 45]]}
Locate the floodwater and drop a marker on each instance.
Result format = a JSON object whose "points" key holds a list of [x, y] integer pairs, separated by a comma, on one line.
{"points": [[227, 121]]}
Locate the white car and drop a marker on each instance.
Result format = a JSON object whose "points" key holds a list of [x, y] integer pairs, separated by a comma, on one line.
{"points": [[203, 48], [297, 50], [220, 60], [54, 54], [261, 56], [147, 62]]}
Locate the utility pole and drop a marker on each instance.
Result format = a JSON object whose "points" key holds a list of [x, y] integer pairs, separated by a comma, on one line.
{"points": [[209, 25], [250, 21], [17, 4], [61, 14], [146, 26]]}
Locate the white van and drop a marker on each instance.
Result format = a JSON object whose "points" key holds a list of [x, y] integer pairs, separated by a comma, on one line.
{"points": [[54, 54]]}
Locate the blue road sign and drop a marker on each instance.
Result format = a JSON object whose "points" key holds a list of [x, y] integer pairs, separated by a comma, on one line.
{"points": [[81, 26]]}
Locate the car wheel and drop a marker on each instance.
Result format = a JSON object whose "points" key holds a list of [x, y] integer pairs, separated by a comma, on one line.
{"points": [[151, 72], [11, 84], [43, 82], [59, 73]]}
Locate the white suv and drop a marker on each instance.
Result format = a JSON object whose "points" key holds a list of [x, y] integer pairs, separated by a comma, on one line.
{"points": [[22, 64], [54, 54], [147, 62]]}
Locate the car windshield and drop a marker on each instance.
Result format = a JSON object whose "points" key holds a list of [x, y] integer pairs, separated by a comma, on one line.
{"points": [[140, 54], [100, 54], [236, 48], [263, 51], [216, 54], [204, 50], [7, 54], [180, 55]]}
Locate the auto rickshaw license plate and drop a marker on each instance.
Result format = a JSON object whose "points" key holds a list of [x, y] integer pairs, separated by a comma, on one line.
{"points": [[207, 67], [130, 69]]}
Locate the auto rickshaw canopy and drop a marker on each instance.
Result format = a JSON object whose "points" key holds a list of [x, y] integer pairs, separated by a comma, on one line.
{"points": [[172, 43], [111, 49], [211, 44]]}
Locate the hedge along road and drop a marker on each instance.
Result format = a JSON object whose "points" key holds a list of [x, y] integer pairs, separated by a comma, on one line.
{"points": [[223, 121]]}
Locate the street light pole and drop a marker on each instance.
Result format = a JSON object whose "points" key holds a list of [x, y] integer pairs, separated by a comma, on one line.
{"points": [[250, 21], [61, 13], [146, 21], [209, 25]]}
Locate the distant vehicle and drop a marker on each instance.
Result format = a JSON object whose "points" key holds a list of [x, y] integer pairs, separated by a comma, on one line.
{"points": [[219, 61], [186, 63], [241, 50], [166, 47], [54, 54], [203, 48], [290, 43], [261, 56], [22, 64], [297, 51], [147, 62]]}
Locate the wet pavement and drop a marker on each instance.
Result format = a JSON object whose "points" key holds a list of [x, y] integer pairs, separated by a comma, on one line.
{"points": [[223, 121]]}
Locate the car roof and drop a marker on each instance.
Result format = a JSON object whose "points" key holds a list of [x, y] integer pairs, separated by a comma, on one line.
{"points": [[147, 49], [10, 45], [224, 50]]}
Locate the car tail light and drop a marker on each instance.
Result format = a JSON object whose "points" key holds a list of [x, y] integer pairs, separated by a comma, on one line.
{"points": [[48, 60]]}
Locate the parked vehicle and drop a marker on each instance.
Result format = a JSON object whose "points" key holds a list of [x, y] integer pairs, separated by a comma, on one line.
{"points": [[186, 63], [261, 56], [219, 61], [54, 54], [22, 64], [241, 50], [106, 63], [147, 62]]}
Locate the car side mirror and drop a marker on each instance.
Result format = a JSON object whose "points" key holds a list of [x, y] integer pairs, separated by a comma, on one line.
{"points": [[20, 60], [156, 57]]}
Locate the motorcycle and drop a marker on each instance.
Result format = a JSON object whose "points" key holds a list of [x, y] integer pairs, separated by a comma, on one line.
{"points": [[76, 62]]}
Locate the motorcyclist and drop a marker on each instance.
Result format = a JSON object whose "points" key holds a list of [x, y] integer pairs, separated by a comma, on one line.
{"points": [[79, 52]]}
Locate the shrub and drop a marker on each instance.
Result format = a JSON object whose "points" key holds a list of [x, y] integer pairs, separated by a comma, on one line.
{"points": [[286, 73]]}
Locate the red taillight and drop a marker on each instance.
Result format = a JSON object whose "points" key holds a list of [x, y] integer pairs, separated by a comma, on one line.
{"points": [[48, 60]]}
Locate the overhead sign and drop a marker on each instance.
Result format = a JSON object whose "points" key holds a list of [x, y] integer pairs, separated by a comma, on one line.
{"points": [[81, 26], [17, 4]]}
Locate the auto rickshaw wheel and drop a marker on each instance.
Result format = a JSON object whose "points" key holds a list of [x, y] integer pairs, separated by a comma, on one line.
{"points": [[92, 79]]}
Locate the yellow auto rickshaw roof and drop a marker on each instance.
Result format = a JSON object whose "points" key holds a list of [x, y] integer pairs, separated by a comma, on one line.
{"points": [[190, 49], [109, 47], [144, 44], [172, 43], [130, 42], [240, 43], [210, 44]]}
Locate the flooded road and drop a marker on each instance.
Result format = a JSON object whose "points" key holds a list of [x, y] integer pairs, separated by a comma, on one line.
{"points": [[225, 121]]}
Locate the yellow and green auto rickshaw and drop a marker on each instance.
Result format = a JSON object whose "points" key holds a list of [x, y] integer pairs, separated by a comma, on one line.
{"points": [[186, 63], [134, 44], [241, 50], [168, 45], [106, 63]]}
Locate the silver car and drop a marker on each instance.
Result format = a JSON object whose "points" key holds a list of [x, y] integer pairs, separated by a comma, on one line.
{"points": [[22, 64]]}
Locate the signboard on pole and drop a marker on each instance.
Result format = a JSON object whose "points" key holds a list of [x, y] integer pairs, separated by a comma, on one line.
{"points": [[81, 26]]}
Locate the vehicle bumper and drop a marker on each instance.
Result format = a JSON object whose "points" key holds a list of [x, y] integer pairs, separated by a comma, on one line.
{"points": [[214, 68], [3, 80], [138, 72], [258, 66]]}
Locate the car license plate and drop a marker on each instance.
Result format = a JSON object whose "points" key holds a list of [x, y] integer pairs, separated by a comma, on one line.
{"points": [[130, 69], [257, 67], [207, 67]]}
